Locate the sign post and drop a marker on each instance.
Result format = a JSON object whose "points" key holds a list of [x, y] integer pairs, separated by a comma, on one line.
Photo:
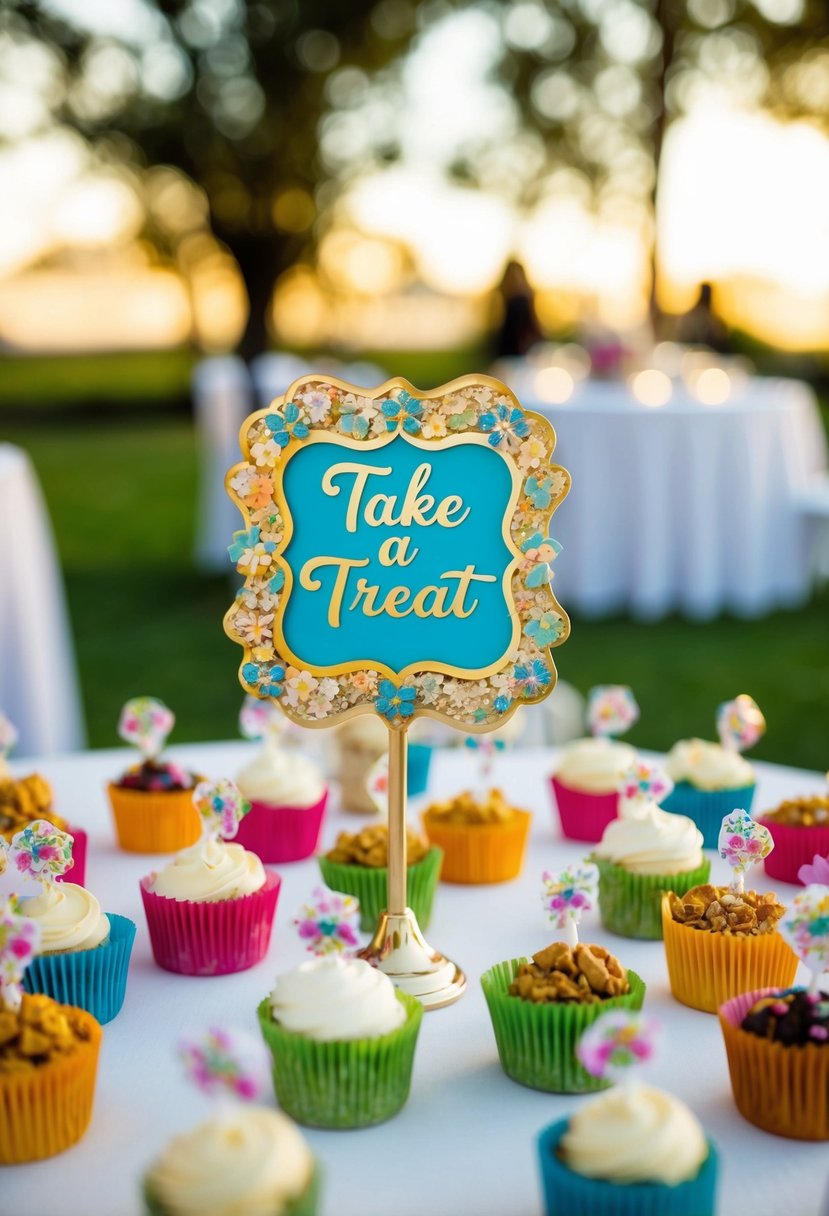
{"points": [[397, 560]]}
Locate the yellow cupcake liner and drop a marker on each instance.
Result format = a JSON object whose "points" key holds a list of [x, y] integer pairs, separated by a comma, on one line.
{"points": [[783, 1090], [480, 852], [47, 1110], [154, 821], [705, 969]]}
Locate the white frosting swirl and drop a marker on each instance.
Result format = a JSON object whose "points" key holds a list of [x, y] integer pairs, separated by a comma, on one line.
{"points": [[365, 732], [595, 765], [332, 999], [252, 1161], [69, 916], [647, 840], [280, 777], [708, 766], [210, 871], [635, 1134]]}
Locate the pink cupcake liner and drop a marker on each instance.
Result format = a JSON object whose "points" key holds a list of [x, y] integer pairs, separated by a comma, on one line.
{"points": [[584, 816], [793, 847], [218, 938], [78, 872], [282, 833]]}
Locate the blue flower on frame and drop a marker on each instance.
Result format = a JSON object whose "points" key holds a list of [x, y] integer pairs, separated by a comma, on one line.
{"points": [[543, 550], [287, 426], [405, 411], [266, 679], [394, 702], [242, 541], [540, 493], [277, 582], [531, 677], [545, 630], [505, 423], [353, 420], [502, 704]]}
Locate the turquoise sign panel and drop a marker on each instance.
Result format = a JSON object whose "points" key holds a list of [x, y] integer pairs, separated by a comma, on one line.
{"points": [[398, 555]]}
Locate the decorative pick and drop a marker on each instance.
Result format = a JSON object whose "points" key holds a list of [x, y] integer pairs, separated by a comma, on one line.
{"points": [[146, 723], [221, 807], [487, 748], [645, 782], [806, 928], [224, 1063], [740, 723], [19, 940], [611, 709], [617, 1041], [8, 736], [742, 843], [377, 784], [41, 851], [325, 924], [265, 720], [816, 872], [567, 896]]}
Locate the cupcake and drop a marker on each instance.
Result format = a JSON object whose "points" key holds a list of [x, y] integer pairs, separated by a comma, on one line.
{"points": [[358, 865], [152, 802], [586, 780], [643, 854], [210, 910], [539, 1008], [246, 1160], [800, 830], [287, 797], [710, 779], [26, 799], [483, 839], [342, 1041]]}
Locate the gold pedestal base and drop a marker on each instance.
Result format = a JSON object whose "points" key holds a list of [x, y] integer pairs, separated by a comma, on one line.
{"points": [[398, 949]]}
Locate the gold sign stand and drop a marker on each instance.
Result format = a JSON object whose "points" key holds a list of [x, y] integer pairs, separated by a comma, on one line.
{"points": [[398, 947]]}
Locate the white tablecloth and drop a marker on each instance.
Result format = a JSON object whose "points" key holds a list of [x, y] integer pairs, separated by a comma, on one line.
{"points": [[465, 1142], [684, 507], [38, 682]]}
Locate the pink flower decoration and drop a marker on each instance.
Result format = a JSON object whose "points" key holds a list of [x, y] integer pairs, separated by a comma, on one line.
{"points": [[817, 872], [611, 709], [325, 924], [616, 1041]]}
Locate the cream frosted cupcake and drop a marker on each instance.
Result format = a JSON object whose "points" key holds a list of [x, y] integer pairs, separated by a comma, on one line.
{"points": [[359, 744], [342, 1040], [288, 798], [210, 910]]}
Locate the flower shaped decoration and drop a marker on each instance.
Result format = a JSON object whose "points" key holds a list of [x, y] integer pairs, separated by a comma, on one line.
{"points": [[249, 553], [221, 808], [740, 723], [395, 701], [266, 678], [531, 677], [146, 723], [326, 924], [545, 629], [287, 426], [616, 1041], [487, 749], [506, 425], [357, 416], [816, 872], [19, 940], [260, 719], [645, 782], [566, 896], [539, 491], [743, 842], [222, 1062], [611, 709], [541, 551], [8, 736], [41, 851], [403, 411], [806, 928]]}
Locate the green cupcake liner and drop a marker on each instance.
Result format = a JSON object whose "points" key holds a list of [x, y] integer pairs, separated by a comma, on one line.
{"points": [[346, 1083], [537, 1043], [369, 885], [631, 904], [306, 1204]]}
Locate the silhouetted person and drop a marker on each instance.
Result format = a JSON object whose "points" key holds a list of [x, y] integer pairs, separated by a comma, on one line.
{"points": [[519, 329], [701, 326]]}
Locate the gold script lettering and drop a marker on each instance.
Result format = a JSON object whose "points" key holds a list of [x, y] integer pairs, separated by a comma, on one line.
{"points": [[344, 564]]}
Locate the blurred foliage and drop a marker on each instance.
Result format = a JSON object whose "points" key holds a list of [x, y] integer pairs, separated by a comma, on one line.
{"points": [[156, 380]]}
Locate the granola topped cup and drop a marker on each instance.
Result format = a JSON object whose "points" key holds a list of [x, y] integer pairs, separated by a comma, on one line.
{"points": [[358, 865]]}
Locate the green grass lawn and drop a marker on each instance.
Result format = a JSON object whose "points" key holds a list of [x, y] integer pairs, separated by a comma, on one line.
{"points": [[121, 492]]}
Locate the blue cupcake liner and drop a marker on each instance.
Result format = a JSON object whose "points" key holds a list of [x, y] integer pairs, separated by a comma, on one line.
{"points": [[419, 759], [94, 980], [569, 1194], [707, 808]]}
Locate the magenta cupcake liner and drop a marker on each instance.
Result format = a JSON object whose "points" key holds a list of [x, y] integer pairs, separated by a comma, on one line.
{"points": [[218, 938], [584, 816], [77, 874], [793, 847], [282, 833]]}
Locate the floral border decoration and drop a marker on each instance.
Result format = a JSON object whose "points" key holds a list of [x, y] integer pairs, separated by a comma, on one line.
{"points": [[477, 404]]}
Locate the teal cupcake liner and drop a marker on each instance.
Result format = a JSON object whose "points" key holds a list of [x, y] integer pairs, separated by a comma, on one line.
{"points": [[418, 763], [707, 808], [569, 1194], [631, 904], [94, 980], [346, 1083], [306, 1204], [370, 885], [537, 1043]]}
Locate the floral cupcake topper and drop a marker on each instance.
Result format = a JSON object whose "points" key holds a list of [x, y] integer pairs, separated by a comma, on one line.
{"points": [[617, 1041], [377, 784], [487, 748], [41, 851], [221, 808], [223, 1063], [326, 924], [645, 782], [742, 843], [740, 723], [567, 895], [264, 720], [806, 928], [611, 709], [146, 723], [19, 940], [8, 736]]}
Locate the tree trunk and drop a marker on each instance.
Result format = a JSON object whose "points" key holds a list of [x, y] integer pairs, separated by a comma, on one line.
{"points": [[665, 17], [261, 257]]}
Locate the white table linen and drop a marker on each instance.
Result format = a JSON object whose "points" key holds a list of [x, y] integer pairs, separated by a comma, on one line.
{"points": [[465, 1141]]}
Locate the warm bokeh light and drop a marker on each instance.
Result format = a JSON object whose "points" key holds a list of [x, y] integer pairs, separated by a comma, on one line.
{"points": [[651, 387], [712, 386], [554, 385]]}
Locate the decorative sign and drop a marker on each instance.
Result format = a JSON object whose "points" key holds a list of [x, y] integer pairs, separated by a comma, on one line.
{"points": [[396, 552]]}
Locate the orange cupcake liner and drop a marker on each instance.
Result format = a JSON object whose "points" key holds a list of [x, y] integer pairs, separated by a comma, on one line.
{"points": [[706, 969], [783, 1090], [47, 1110], [480, 853], [150, 821]]}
